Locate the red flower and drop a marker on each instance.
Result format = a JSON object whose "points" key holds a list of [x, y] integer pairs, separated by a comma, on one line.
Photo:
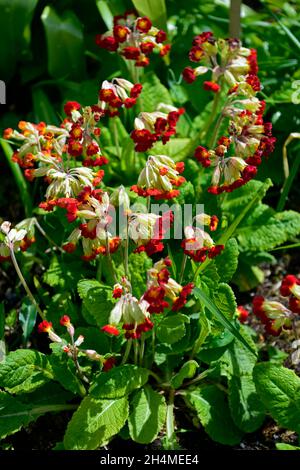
{"points": [[155, 297], [211, 86], [75, 148], [202, 155], [294, 304], [130, 52], [288, 283], [195, 54], [110, 329], [147, 47], [120, 32], [69, 247], [242, 314], [188, 74], [143, 24], [142, 61], [253, 81], [108, 364], [182, 299], [161, 36], [136, 90], [117, 292], [44, 327], [202, 38], [71, 106], [65, 320], [107, 42], [143, 139]]}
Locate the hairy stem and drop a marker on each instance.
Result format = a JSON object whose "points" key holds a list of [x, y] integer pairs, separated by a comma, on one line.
{"points": [[127, 351], [170, 424], [24, 283]]}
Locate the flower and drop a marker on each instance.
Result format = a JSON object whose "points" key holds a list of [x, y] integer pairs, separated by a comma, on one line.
{"points": [[290, 285], [242, 314], [117, 94], [12, 239], [274, 315], [133, 315], [46, 327], [159, 177], [199, 245], [134, 38]]}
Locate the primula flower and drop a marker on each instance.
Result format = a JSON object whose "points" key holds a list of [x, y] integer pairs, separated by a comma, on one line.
{"points": [[132, 314], [161, 287], [290, 286], [151, 127], [274, 315], [207, 220], [242, 314], [117, 94], [134, 38], [199, 245], [147, 231], [159, 177], [46, 327], [10, 239]]}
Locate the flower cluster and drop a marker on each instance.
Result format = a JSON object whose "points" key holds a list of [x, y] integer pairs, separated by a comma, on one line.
{"points": [[117, 94], [161, 287], [72, 348], [19, 238], [159, 178], [199, 245], [236, 157], [134, 38], [151, 127]]}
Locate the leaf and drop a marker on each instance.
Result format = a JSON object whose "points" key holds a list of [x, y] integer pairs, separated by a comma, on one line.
{"points": [[118, 381], [13, 415], [138, 263], [27, 318], [211, 407], [65, 44], [2, 320], [24, 370], [265, 229], [177, 148], [227, 261], [64, 372], [15, 20], [154, 92], [97, 301], [95, 423], [284, 446], [205, 330], [147, 415], [187, 371], [172, 329], [220, 317], [62, 274], [279, 390], [240, 197], [43, 109], [224, 299], [155, 10], [246, 409]]}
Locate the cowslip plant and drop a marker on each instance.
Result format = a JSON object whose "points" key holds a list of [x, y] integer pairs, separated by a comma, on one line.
{"points": [[135, 298]]}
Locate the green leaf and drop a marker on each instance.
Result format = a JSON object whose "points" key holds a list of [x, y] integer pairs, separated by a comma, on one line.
{"points": [[172, 329], [205, 329], [64, 372], [246, 409], [27, 318], [147, 415], [220, 317], [154, 92], [63, 274], [15, 20], [211, 407], [187, 371], [264, 229], [155, 10], [224, 300], [24, 370], [240, 197], [13, 415], [279, 390], [18, 177], [43, 109], [65, 44], [97, 301], [95, 423], [177, 148], [138, 263], [119, 381], [284, 446], [227, 261]]}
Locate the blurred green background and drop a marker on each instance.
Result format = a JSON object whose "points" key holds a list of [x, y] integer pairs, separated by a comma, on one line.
{"points": [[48, 55]]}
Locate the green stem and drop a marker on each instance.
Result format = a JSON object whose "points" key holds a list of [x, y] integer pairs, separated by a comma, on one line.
{"points": [[197, 379], [24, 283], [136, 351], [127, 351], [214, 136], [212, 116], [142, 350], [155, 376], [235, 18], [99, 270], [110, 263], [183, 264], [170, 424], [41, 410], [126, 251], [36, 223], [116, 138], [19, 178]]}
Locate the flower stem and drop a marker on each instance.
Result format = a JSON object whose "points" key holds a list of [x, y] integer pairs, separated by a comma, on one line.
{"points": [[142, 350], [170, 425], [126, 251], [116, 138], [47, 236], [212, 116], [127, 351], [24, 283], [136, 351], [183, 264], [109, 258]]}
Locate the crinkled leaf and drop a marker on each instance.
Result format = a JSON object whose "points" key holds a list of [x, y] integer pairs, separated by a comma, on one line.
{"points": [[24, 370], [119, 381], [172, 329], [95, 423], [154, 92], [211, 407], [279, 390], [187, 371], [97, 301], [227, 262], [147, 415], [224, 300]]}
